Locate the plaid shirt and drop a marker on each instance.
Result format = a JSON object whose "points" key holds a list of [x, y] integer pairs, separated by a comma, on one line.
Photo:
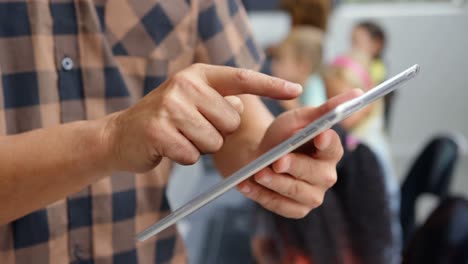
{"points": [[67, 60]]}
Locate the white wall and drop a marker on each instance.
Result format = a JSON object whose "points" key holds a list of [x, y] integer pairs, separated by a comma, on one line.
{"points": [[433, 35]]}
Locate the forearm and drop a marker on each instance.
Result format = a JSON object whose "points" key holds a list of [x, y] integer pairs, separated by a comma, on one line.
{"points": [[45, 165], [239, 147]]}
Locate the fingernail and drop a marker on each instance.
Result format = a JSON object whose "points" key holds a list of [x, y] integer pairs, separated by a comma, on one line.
{"points": [[266, 179], [293, 88], [245, 189]]}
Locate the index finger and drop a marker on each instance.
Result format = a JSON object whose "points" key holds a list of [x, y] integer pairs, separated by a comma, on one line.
{"points": [[233, 81]]}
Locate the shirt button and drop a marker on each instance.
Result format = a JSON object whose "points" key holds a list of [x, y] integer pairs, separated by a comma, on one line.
{"points": [[67, 63]]}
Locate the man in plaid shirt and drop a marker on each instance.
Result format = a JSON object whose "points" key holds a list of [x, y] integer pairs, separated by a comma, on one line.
{"points": [[94, 92]]}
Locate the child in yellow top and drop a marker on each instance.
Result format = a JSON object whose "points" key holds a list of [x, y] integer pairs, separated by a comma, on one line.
{"points": [[369, 37], [349, 72]]}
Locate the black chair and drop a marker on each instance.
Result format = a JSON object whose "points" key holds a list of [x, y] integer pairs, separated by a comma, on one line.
{"points": [[228, 236], [431, 173], [444, 236]]}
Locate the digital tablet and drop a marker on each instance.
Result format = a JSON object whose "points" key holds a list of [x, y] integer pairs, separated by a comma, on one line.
{"points": [[302, 136]]}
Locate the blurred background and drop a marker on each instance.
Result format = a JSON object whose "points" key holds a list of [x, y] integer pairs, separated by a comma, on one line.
{"points": [[433, 34]]}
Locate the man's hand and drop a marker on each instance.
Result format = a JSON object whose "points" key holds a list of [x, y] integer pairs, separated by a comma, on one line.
{"points": [[296, 183], [189, 114]]}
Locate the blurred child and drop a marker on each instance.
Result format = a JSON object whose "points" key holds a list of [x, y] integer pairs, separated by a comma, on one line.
{"points": [[298, 58], [349, 72], [356, 222], [353, 225], [370, 38]]}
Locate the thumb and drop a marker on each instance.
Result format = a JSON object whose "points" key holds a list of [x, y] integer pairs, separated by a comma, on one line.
{"points": [[290, 122], [236, 103]]}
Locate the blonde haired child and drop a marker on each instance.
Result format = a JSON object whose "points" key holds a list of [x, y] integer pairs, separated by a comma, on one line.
{"points": [[298, 58]]}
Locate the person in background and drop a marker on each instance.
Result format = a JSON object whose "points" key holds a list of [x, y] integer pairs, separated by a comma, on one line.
{"points": [[339, 232], [308, 12], [352, 71], [298, 58], [312, 13], [369, 37]]}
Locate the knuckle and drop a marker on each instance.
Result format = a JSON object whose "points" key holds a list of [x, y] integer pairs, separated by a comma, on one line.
{"points": [[176, 111], [331, 179], [298, 213], [272, 203], [336, 153], [256, 195], [296, 116], [179, 77], [259, 196], [316, 201], [292, 190], [276, 84], [296, 113], [176, 150], [170, 100], [243, 75], [183, 154], [183, 80], [198, 66], [303, 212], [339, 151]]}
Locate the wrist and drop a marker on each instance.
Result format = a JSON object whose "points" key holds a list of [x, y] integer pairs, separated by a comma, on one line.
{"points": [[104, 144]]}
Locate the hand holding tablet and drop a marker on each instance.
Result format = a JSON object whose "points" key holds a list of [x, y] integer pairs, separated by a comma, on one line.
{"points": [[301, 137]]}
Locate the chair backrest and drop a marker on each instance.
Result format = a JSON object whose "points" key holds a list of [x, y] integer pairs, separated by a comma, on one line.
{"points": [[228, 236], [430, 173]]}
